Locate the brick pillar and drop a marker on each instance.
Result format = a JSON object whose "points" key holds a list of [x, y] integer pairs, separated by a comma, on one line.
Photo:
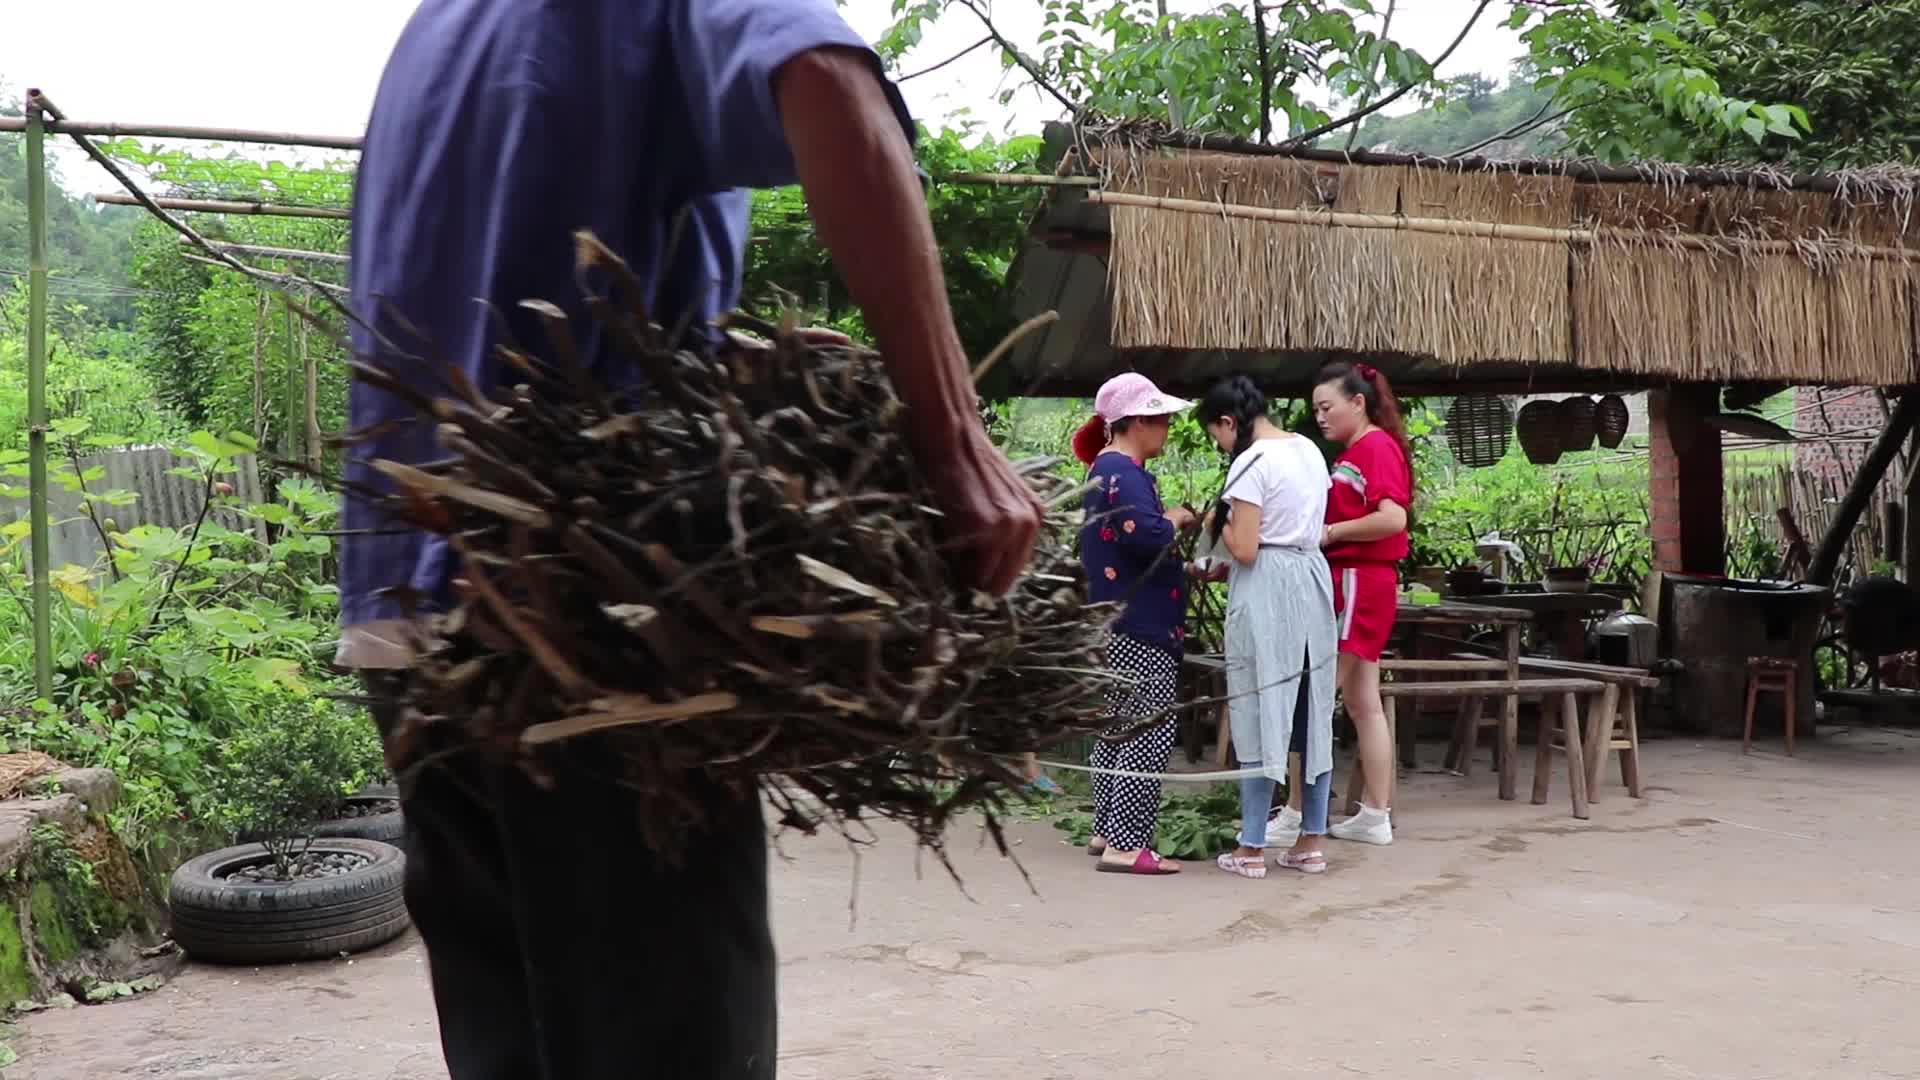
{"points": [[1687, 492]]}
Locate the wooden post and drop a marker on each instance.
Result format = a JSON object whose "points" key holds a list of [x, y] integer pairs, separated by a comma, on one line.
{"points": [[260, 368], [38, 549], [1909, 492], [1826, 558], [316, 455], [1510, 716]]}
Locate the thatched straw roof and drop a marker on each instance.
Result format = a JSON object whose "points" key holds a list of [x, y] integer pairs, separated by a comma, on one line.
{"points": [[1192, 261]]}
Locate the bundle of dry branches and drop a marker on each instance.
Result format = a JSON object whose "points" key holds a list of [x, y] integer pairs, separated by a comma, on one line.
{"points": [[741, 580]]}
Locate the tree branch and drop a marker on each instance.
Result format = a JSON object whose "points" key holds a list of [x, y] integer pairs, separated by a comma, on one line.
{"points": [[1386, 34], [1361, 114], [1032, 69], [948, 60], [1535, 122]]}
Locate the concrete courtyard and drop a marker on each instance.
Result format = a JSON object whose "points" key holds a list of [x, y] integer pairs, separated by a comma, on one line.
{"points": [[1753, 917]]}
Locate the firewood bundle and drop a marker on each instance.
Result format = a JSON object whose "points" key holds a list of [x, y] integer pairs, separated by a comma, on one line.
{"points": [[738, 578]]}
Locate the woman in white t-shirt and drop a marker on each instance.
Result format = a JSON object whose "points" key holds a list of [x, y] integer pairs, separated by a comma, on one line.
{"points": [[1280, 625]]}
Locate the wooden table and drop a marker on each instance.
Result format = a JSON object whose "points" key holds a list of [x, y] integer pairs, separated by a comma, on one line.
{"points": [[1563, 616], [1415, 619]]}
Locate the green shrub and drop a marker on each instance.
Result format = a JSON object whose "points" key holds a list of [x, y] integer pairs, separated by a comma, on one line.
{"points": [[291, 767]]}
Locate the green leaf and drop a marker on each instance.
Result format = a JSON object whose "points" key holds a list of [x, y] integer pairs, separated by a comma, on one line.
{"points": [[1755, 128]]}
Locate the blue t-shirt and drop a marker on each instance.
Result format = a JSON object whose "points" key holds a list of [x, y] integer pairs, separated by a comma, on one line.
{"points": [[1127, 548], [501, 127]]}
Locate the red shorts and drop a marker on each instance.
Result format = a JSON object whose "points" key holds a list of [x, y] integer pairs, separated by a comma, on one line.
{"points": [[1365, 596]]}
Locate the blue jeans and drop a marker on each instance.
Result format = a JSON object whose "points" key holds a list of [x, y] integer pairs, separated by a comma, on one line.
{"points": [[1256, 792]]}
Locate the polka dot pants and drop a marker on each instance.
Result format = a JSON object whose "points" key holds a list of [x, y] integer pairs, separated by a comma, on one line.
{"points": [[1125, 808]]}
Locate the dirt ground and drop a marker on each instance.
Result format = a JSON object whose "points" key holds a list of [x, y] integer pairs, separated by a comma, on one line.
{"points": [[1754, 917]]}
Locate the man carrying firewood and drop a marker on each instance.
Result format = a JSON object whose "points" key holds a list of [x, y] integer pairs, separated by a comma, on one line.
{"points": [[559, 946]]}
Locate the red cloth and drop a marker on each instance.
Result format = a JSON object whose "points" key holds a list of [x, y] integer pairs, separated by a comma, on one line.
{"points": [[1365, 598], [1372, 469]]}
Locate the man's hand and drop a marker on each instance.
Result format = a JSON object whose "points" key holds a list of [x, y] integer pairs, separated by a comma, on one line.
{"points": [[991, 513], [1183, 518]]}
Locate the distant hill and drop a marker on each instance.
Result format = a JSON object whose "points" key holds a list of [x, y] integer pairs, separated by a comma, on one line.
{"points": [[1477, 110]]}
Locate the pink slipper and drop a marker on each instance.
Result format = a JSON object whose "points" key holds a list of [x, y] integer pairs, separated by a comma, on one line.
{"points": [[1147, 863]]}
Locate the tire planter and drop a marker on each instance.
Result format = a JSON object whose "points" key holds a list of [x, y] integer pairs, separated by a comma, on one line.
{"points": [[387, 828], [239, 922]]}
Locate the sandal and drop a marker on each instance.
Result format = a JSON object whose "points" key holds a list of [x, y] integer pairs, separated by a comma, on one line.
{"points": [[1148, 863], [1247, 867], [1307, 862]]}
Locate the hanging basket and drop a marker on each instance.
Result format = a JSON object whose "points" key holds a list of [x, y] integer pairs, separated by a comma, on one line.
{"points": [[1576, 424], [1479, 428], [1538, 429], [1610, 420]]}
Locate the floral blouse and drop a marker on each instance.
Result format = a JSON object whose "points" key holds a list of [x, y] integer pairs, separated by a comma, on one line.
{"points": [[1127, 547]]}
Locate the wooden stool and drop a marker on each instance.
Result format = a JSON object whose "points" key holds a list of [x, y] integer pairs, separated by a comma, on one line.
{"points": [[1474, 718], [1565, 737], [1622, 720], [1777, 674]]}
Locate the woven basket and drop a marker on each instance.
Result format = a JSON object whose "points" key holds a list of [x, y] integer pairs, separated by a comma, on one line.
{"points": [[1538, 428], [1576, 424], [1479, 428], [1610, 420]]}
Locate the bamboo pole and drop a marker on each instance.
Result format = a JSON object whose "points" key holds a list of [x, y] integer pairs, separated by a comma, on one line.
{"points": [[259, 369], [1020, 180], [224, 206], [316, 448], [1840, 527], [260, 251], [37, 399], [115, 130], [284, 281], [1492, 230]]}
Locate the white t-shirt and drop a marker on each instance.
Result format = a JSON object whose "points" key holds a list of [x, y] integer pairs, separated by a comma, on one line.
{"points": [[1287, 479]]}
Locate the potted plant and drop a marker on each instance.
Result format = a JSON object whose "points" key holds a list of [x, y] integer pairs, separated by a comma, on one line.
{"points": [[292, 895]]}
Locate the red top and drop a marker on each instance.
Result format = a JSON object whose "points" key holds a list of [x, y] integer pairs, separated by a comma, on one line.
{"points": [[1372, 469]]}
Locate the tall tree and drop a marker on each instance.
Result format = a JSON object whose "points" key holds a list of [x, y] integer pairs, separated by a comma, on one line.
{"points": [[1125, 58]]}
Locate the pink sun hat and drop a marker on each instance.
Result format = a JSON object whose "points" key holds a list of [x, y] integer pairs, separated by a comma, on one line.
{"points": [[1125, 395]]}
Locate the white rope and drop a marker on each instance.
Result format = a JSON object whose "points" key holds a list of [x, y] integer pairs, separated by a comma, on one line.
{"points": [[1189, 777]]}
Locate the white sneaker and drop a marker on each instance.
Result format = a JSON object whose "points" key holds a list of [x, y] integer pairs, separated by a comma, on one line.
{"points": [[1283, 828], [1369, 826]]}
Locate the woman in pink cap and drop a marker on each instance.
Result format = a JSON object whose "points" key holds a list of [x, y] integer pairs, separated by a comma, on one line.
{"points": [[1127, 547]]}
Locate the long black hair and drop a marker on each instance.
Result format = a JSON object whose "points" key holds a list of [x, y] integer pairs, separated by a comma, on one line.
{"points": [[1235, 398]]}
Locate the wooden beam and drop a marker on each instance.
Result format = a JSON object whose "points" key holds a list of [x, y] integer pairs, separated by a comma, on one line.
{"points": [[290, 254], [221, 206], [115, 130], [1826, 558]]}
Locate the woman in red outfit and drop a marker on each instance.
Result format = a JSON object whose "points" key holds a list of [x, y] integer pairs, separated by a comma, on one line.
{"points": [[1366, 536]]}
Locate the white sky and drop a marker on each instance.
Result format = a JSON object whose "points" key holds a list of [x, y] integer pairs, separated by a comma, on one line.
{"points": [[309, 68]]}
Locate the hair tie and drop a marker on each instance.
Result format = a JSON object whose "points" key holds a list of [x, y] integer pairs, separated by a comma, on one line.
{"points": [[1367, 372]]}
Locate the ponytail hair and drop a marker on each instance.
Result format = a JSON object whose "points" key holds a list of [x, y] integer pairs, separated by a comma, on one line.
{"points": [[1095, 435], [1235, 398], [1363, 380]]}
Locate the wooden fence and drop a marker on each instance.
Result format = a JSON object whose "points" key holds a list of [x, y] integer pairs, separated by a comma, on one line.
{"points": [[163, 500]]}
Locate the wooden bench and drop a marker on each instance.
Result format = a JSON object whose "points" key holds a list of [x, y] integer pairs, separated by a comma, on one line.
{"points": [[1615, 726], [1563, 692]]}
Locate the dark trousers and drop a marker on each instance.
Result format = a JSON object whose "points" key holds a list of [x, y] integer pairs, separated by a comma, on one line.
{"points": [[561, 948]]}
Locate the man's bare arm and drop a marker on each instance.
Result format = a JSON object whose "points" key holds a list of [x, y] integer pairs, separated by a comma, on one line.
{"points": [[858, 174]]}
